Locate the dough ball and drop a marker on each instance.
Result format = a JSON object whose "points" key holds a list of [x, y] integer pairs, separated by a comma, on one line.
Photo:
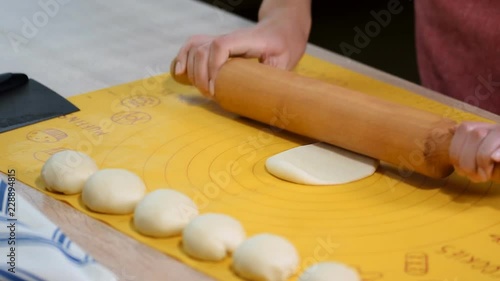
{"points": [[113, 191], [164, 213], [329, 271], [212, 236], [320, 164], [67, 171], [265, 257]]}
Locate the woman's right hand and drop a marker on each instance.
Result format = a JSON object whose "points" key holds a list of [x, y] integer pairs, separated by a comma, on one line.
{"points": [[278, 40]]}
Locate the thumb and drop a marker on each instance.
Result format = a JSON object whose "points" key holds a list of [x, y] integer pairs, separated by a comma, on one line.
{"points": [[280, 61]]}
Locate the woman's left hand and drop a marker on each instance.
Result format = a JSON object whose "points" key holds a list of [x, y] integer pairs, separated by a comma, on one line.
{"points": [[474, 150]]}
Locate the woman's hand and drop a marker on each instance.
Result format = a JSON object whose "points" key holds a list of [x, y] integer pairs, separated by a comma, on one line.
{"points": [[474, 150], [279, 40]]}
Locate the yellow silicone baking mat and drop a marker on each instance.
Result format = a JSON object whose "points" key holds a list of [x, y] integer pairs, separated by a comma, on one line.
{"points": [[389, 226]]}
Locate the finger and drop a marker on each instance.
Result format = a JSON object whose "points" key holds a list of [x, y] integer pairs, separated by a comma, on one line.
{"points": [[472, 177], [495, 156], [200, 71], [275, 61], [231, 45], [486, 150], [461, 133], [182, 55], [281, 61], [467, 161], [190, 65], [457, 142], [181, 59]]}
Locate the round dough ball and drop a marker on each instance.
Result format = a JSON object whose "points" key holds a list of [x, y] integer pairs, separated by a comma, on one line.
{"points": [[113, 191], [66, 171], [265, 257], [164, 213], [329, 271], [212, 236]]}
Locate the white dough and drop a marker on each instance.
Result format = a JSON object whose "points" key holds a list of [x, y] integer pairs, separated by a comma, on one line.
{"points": [[67, 171], [113, 191], [320, 164], [212, 236], [330, 271], [164, 213], [265, 257]]}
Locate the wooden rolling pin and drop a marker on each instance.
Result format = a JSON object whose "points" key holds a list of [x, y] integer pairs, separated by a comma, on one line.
{"points": [[410, 139]]}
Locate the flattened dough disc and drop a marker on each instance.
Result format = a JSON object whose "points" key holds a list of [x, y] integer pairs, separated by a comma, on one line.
{"points": [[320, 164]]}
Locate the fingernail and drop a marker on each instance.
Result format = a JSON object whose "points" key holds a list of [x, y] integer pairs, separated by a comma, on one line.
{"points": [[178, 68], [496, 156], [211, 87]]}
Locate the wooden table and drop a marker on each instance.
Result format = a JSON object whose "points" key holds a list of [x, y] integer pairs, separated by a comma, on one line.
{"points": [[79, 46]]}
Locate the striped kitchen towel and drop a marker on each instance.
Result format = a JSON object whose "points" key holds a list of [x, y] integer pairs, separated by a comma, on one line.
{"points": [[33, 248]]}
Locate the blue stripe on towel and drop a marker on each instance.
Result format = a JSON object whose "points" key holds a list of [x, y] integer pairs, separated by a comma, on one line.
{"points": [[20, 275], [61, 239], [54, 235], [31, 239]]}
